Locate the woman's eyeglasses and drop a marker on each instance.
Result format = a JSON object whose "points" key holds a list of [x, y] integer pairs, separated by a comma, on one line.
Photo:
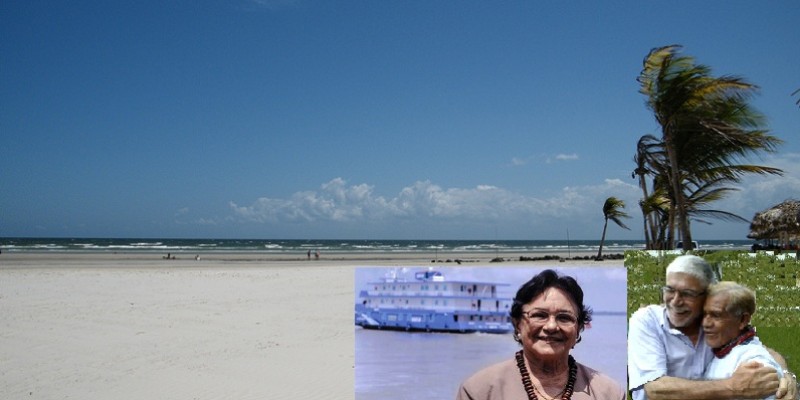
{"points": [[564, 320]]}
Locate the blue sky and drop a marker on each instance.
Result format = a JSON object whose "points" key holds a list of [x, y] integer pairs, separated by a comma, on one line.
{"points": [[359, 119]]}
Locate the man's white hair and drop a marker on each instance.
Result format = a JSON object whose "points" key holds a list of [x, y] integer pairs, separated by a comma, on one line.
{"points": [[695, 266]]}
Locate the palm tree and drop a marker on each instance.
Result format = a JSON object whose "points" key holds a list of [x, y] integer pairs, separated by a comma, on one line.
{"points": [[612, 210], [706, 123], [657, 208], [705, 185], [648, 163]]}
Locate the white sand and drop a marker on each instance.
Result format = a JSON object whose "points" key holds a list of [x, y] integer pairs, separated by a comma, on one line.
{"points": [[135, 326]]}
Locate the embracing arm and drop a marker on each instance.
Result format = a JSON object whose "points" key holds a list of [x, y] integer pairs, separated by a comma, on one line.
{"points": [[751, 380], [788, 385]]}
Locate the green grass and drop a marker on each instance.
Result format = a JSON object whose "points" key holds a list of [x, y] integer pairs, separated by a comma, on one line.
{"points": [[776, 283]]}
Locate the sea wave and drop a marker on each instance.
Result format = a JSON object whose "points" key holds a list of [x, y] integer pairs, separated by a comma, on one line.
{"points": [[506, 247]]}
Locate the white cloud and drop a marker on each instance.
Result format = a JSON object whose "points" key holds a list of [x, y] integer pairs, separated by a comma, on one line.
{"points": [[425, 208], [336, 201], [518, 162], [758, 192], [545, 158], [567, 157]]}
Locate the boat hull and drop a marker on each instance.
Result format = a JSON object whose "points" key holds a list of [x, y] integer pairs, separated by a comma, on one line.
{"points": [[420, 320]]}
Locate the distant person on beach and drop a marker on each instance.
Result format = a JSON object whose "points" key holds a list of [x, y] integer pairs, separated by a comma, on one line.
{"points": [[668, 354], [548, 315], [726, 325], [316, 254], [308, 253]]}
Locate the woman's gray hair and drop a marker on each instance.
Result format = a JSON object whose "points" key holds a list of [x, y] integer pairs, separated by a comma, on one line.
{"points": [[694, 266]]}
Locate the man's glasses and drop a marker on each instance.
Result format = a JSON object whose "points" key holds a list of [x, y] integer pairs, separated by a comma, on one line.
{"points": [[564, 320], [670, 291]]}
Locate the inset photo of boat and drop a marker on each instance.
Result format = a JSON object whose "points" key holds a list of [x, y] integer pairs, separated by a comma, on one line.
{"points": [[421, 331]]}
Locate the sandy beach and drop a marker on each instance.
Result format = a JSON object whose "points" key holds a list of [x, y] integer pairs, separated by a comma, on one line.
{"points": [[227, 326]]}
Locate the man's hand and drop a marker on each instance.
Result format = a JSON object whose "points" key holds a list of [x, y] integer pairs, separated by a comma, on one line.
{"points": [[788, 387], [754, 380]]}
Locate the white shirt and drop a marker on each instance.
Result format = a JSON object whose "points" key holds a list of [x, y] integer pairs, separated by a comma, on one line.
{"points": [[655, 350], [721, 368]]}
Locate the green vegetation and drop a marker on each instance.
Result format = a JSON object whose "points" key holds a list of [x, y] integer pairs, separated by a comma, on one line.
{"points": [[774, 278]]}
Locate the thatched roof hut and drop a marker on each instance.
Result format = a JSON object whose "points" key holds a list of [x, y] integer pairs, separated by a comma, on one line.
{"points": [[781, 222]]}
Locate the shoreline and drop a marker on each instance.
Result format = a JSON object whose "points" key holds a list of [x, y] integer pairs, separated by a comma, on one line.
{"points": [[17, 259]]}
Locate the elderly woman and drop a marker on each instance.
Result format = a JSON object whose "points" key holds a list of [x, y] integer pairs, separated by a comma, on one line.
{"points": [[548, 315]]}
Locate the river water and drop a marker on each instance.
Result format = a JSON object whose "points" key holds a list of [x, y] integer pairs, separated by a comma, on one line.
{"points": [[393, 365]]}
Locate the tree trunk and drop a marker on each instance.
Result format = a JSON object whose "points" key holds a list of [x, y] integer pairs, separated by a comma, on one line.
{"points": [[602, 240], [645, 218], [677, 189]]}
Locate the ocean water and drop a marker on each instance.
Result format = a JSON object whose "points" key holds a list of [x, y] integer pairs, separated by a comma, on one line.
{"points": [[393, 365], [300, 247]]}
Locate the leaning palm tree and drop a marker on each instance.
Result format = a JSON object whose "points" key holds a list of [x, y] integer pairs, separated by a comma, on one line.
{"points": [[657, 208], [706, 123], [612, 210], [649, 163]]}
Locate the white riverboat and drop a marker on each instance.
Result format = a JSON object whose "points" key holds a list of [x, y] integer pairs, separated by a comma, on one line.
{"points": [[431, 303]]}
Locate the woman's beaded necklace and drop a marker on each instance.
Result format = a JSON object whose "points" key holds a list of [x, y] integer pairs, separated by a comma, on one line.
{"points": [[531, 390]]}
